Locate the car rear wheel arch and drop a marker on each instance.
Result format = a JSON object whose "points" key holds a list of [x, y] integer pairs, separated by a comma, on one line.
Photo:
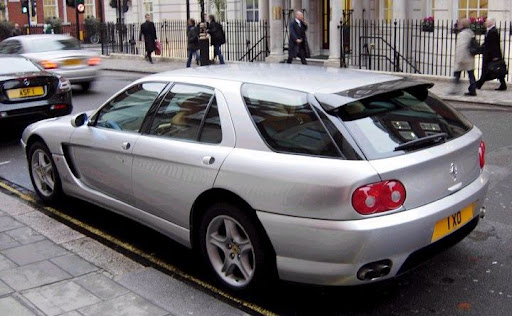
{"points": [[216, 195], [31, 140]]}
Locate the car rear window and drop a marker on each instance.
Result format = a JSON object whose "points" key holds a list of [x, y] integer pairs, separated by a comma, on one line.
{"points": [[381, 123], [52, 44], [17, 65]]}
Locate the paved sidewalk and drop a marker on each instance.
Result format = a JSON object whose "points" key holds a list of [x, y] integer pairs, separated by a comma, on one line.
{"points": [[47, 268], [443, 86]]}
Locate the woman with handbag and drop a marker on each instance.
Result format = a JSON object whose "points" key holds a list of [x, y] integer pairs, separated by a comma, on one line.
{"points": [[493, 66]]}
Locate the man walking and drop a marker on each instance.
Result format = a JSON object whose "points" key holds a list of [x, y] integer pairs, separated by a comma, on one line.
{"points": [[491, 53], [464, 58], [298, 45], [193, 42], [218, 38], [148, 30]]}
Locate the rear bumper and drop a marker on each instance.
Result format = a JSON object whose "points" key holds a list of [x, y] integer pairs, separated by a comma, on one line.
{"points": [[332, 252], [79, 75]]}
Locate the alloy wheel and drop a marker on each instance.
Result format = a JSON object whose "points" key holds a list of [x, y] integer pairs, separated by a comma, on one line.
{"points": [[43, 173]]}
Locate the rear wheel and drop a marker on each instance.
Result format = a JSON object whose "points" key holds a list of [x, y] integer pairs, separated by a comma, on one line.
{"points": [[43, 173], [233, 247]]}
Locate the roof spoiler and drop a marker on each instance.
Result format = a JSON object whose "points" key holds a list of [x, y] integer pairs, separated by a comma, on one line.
{"points": [[332, 101]]}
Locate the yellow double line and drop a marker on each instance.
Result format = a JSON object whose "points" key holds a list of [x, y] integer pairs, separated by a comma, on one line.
{"points": [[140, 253]]}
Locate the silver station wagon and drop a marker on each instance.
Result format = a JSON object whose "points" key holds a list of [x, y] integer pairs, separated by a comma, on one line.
{"points": [[314, 175]]}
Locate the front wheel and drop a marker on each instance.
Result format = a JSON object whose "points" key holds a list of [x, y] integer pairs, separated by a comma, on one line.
{"points": [[234, 248], [43, 173]]}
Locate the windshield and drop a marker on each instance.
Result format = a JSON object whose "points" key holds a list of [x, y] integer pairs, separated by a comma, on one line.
{"points": [[51, 44], [17, 65], [381, 123]]}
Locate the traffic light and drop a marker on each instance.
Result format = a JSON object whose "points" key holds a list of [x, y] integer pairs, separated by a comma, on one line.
{"points": [[24, 6], [34, 7], [80, 6]]}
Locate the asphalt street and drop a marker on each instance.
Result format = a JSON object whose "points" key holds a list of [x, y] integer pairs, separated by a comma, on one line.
{"points": [[471, 278]]}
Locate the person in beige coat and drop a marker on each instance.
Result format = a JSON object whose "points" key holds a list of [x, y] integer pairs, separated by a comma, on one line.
{"points": [[464, 59]]}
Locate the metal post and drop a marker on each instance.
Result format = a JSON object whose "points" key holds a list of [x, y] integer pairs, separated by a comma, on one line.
{"points": [[188, 10], [120, 24], [102, 17], [28, 15]]}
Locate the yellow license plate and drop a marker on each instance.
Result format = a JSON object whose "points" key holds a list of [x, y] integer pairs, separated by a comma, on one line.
{"points": [[21, 93], [72, 62], [452, 223]]}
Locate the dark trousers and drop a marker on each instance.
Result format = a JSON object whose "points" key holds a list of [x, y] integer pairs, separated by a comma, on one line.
{"points": [[301, 54], [190, 54], [148, 55], [484, 78], [218, 52], [472, 80]]}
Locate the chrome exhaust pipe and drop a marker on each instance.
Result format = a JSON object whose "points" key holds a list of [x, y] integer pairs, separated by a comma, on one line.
{"points": [[374, 270], [482, 212]]}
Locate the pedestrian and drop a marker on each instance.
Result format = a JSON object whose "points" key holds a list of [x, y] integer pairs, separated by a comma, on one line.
{"points": [[193, 42], [298, 43], [465, 51], [491, 53], [217, 37], [17, 30], [148, 30]]}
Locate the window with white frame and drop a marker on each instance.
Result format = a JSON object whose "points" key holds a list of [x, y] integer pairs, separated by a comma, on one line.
{"points": [[252, 10], [50, 9], [148, 8], [90, 8], [473, 8]]}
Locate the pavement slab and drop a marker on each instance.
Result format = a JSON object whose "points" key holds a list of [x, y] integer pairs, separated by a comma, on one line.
{"points": [[6, 264], [8, 223], [101, 286], [74, 264], [25, 235], [4, 289], [61, 297], [34, 252], [128, 304], [52, 229], [33, 275], [7, 241], [11, 306]]}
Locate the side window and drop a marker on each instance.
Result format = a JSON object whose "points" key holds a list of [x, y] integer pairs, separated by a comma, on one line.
{"points": [[5, 47], [287, 122], [188, 112], [16, 47], [127, 111]]}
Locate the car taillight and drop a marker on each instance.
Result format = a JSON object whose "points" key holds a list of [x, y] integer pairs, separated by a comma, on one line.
{"points": [[94, 61], [378, 197], [49, 64], [481, 154], [57, 107]]}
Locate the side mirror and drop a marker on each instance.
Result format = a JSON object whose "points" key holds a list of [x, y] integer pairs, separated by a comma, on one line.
{"points": [[79, 120]]}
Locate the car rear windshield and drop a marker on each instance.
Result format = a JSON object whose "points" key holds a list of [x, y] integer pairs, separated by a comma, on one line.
{"points": [[17, 65], [383, 123], [49, 44]]}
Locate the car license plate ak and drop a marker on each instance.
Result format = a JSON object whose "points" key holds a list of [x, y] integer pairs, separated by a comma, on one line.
{"points": [[453, 222], [71, 62], [21, 93]]}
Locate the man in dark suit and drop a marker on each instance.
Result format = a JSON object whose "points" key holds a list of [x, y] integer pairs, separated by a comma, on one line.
{"points": [[491, 52], [148, 30], [298, 45]]}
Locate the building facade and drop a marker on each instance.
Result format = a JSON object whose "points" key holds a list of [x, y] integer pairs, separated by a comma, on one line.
{"points": [[48, 9]]}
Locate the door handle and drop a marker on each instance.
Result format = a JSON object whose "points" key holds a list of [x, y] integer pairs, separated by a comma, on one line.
{"points": [[126, 145], [208, 160]]}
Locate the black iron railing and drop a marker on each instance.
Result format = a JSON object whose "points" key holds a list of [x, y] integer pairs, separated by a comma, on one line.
{"points": [[245, 41]]}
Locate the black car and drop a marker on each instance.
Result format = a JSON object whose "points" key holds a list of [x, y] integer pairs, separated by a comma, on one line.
{"points": [[28, 93]]}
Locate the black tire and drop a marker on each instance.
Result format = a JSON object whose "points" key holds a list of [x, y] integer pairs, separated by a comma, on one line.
{"points": [[264, 258], [86, 86], [34, 149]]}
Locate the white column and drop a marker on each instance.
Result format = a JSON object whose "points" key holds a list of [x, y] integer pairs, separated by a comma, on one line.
{"points": [[296, 5], [263, 9], [276, 31], [400, 9], [334, 34]]}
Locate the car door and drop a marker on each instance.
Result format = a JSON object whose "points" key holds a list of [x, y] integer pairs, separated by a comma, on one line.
{"points": [[102, 150], [180, 154]]}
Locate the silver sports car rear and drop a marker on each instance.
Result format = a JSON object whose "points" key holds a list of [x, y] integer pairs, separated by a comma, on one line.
{"points": [[326, 176]]}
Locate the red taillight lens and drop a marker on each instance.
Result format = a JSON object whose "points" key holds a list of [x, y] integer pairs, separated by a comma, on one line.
{"points": [[49, 64], [94, 61], [57, 107], [481, 154], [379, 197]]}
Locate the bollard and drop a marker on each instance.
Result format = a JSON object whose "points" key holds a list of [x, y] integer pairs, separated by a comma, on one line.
{"points": [[204, 45]]}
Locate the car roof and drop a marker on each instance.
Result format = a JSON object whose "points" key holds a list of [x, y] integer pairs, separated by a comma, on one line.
{"points": [[310, 79]]}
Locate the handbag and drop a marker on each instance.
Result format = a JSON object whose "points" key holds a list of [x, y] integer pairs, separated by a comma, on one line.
{"points": [[496, 69], [158, 48]]}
